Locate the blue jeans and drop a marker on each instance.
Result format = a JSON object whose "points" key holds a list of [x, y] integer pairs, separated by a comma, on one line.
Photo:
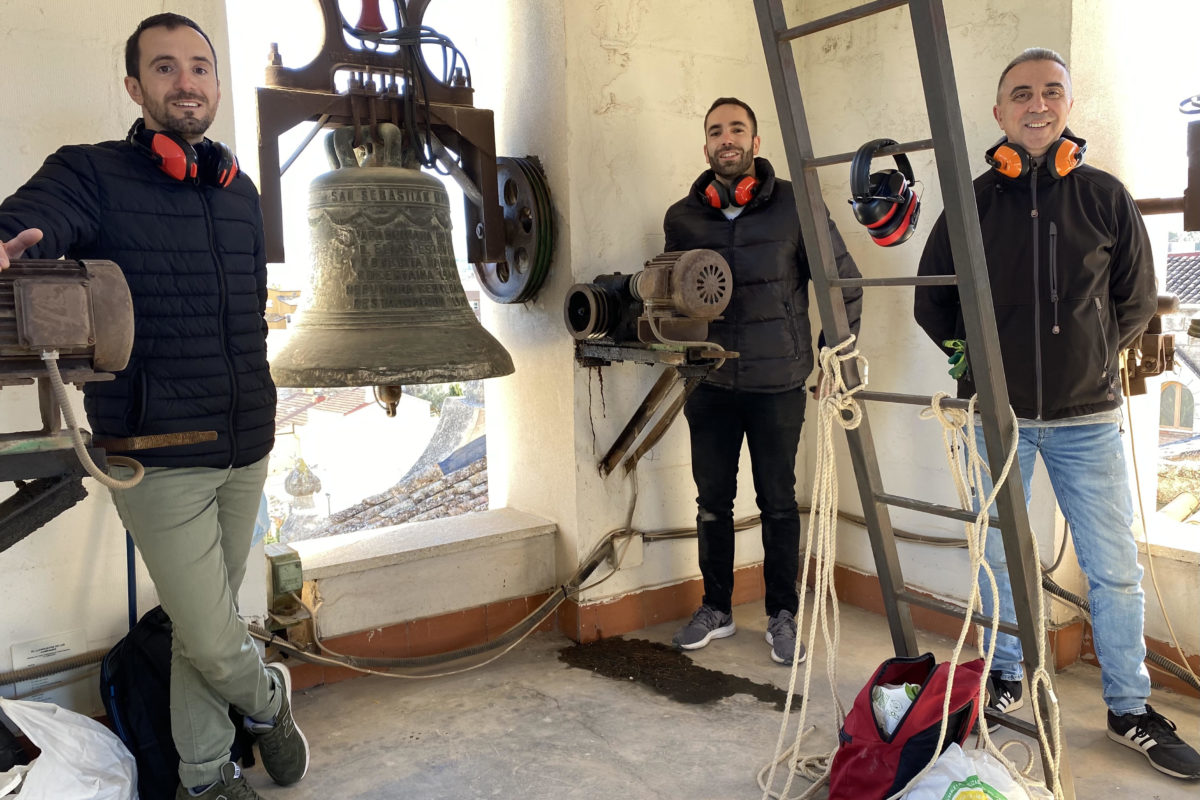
{"points": [[1086, 465], [718, 420]]}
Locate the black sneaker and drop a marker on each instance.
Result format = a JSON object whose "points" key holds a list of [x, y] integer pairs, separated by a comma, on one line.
{"points": [[231, 786], [781, 635], [283, 748], [1154, 736], [707, 624], [1004, 697]]}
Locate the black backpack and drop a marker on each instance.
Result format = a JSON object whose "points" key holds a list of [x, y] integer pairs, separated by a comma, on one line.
{"points": [[135, 685]]}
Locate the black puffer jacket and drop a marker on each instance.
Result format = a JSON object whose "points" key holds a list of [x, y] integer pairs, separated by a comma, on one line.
{"points": [[1072, 281], [767, 318], [194, 259]]}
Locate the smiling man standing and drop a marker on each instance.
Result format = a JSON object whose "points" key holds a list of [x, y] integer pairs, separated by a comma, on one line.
{"points": [[171, 209], [1072, 283], [739, 208]]}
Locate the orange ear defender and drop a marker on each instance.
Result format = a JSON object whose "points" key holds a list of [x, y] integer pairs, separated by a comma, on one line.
{"points": [[1012, 161], [174, 156], [719, 195]]}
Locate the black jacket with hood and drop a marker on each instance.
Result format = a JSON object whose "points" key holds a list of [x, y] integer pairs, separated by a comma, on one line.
{"points": [[766, 321], [1072, 280], [194, 259]]}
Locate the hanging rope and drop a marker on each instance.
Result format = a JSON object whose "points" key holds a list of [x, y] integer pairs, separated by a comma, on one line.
{"points": [[958, 430], [835, 401]]}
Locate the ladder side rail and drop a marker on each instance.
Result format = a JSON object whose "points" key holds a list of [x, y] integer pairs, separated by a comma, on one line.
{"points": [[810, 207], [966, 242]]}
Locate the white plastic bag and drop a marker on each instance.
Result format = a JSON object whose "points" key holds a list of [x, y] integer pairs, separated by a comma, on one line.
{"points": [[891, 701], [80, 760], [965, 775]]}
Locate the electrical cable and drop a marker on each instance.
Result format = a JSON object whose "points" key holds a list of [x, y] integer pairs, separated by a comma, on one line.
{"points": [[1194, 680], [50, 358]]}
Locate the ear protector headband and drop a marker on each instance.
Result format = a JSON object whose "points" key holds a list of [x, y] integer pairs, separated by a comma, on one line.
{"points": [[884, 201], [719, 195], [177, 158], [1013, 161]]}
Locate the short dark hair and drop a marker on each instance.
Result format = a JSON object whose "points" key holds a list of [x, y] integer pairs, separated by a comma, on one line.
{"points": [[733, 101], [133, 53], [1032, 54]]}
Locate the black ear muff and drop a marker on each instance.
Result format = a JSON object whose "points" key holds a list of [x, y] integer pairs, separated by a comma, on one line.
{"points": [[177, 158], [884, 201], [718, 195]]}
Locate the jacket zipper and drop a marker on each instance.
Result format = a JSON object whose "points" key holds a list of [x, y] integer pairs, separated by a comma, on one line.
{"points": [[1037, 317], [224, 298], [1103, 337], [1054, 275]]}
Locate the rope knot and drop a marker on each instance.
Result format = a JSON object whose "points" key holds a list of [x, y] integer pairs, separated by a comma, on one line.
{"points": [[833, 393]]}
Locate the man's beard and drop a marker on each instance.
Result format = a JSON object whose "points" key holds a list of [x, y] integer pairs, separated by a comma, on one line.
{"points": [[183, 124], [733, 169]]}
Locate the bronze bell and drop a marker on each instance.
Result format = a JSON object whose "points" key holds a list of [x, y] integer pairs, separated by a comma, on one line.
{"points": [[386, 307]]}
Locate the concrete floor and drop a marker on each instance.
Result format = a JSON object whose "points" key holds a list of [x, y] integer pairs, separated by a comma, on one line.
{"points": [[530, 727]]}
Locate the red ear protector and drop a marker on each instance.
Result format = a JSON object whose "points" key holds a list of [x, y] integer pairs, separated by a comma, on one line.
{"points": [[1013, 161], [884, 201], [178, 159], [719, 195]]}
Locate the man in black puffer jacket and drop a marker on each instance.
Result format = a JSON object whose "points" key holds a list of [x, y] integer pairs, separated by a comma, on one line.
{"points": [[741, 210], [1072, 281], [170, 208]]}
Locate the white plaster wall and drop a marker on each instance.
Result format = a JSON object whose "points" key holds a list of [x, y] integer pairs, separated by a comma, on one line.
{"points": [[70, 574]]}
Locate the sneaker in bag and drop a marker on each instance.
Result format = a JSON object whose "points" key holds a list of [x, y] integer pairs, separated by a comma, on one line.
{"points": [[707, 624], [230, 786], [781, 635], [1154, 736], [283, 748]]}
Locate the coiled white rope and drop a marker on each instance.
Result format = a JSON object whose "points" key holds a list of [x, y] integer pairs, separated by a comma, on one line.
{"points": [[835, 401], [958, 429]]}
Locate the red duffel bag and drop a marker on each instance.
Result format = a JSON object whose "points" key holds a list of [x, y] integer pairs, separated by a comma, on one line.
{"points": [[871, 765]]}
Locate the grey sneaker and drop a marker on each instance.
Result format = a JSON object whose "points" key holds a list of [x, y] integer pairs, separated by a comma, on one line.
{"points": [[283, 748], [231, 786], [781, 635], [707, 624]]}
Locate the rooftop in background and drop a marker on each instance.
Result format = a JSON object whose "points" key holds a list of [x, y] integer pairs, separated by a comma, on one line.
{"points": [[1183, 277]]}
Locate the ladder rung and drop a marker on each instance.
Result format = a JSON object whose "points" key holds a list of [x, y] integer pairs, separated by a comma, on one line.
{"points": [[1009, 721], [911, 399], [932, 508], [951, 610], [840, 18], [903, 280], [890, 150]]}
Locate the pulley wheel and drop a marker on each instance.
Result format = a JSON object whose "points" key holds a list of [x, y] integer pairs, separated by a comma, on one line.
{"points": [[529, 233]]}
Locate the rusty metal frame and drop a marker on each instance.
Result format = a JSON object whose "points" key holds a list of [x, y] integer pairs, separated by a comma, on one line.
{"points": [[294, 96]]}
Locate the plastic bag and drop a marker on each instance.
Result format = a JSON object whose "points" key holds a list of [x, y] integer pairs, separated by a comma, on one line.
{"points": [[80, 760], [967, 774], [891, 702]]}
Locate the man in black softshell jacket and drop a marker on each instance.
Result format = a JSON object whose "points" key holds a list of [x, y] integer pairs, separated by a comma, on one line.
{"points": [[1072, 283], [171, 209], [740, 209]]}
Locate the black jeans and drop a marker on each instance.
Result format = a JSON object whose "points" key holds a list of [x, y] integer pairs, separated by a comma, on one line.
{"points": [[719, 419]]}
